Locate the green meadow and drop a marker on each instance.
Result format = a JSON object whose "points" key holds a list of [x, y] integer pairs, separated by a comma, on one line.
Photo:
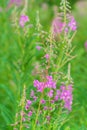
{"points": [[10, 52]]}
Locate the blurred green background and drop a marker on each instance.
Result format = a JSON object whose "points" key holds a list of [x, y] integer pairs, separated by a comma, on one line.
{"points": [[78, 116]]}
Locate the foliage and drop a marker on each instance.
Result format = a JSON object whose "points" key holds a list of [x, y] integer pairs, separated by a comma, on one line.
{"points": [[13, 54]]}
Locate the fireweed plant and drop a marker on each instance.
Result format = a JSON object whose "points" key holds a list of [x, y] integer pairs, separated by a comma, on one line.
{"points": [[45, 105]]}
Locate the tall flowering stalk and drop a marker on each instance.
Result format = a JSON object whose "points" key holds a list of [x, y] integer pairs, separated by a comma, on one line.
{"points": [[21, 63], [50, 97]]}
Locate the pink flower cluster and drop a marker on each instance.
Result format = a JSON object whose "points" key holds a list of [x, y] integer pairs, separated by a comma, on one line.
{"points": [[52, 95], [28, 104], [64, 93], [23, 19], [50, 83], [66, 96], [72, 25], [58, 26], [16, 2]]}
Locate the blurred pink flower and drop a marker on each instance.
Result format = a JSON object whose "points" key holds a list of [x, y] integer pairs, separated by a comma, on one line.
{"points": [[30, 113], [35, 98], [16, 2], [48, 118], [56, 98], [72, 24], [43, 101], [50, 83], [47, 56], [29, 102], [52, 101], [66, 96], [45, 107], [38, 47], [85, 45], [32, 93], [26, 107], [23, 119], [57, 26], [23, 20], [50, 94]]}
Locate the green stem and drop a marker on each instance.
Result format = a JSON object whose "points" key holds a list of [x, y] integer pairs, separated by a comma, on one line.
{"points": [[64, 11], [38, 111], [22, 104]]}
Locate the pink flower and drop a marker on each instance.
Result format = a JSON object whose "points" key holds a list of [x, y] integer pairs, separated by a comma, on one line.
{"points": [[39, 85], [52, 101], [66, 96], [32, 93], [16, 2], [50, 83], [36, 83], [43, 101], [57, 25], [48, 118], [72, 24], [50, 93], [56, 98], [26, 107], [23, 119], [58, 92], [29, 102], [35, 98], [38, 48], [47, 56], [30, 113], [49, 78], [42, 85], [23, 20], [86, 45], [45, 107], [62, 88], [50, 108], [67, 105]]}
